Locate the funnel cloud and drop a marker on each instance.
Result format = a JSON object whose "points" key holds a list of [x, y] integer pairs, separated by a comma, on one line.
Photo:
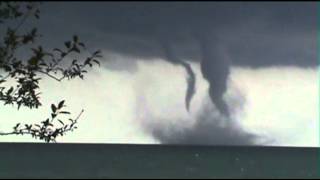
{"points": [[191, 77]]}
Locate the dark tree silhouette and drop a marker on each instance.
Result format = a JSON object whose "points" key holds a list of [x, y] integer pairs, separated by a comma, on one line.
{"points": [[26, 71]]}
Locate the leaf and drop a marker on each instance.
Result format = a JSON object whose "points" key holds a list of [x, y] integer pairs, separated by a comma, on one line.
{"points": [[87, 61], [63, 54], [60, 105], [64, 112], [16, 127], [82, 45], [34, 31], [40, 48], [29, 7], [53, 115], [53, 108], [46, 122], [28, 127], [61, 122], [75, 38], [97, 52], [33, 61], [10, 91], [74, 61], [68, 44], [96, 61], [36, 14]]}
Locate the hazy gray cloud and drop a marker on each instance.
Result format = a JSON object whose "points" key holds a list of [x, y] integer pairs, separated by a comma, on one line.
{"points": [[251, 31]]}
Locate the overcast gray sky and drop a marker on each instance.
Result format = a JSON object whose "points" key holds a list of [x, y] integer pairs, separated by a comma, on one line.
{"points": [[228, 61]]}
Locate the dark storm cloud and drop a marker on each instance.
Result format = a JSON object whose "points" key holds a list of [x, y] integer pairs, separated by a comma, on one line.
{"points": [[255, 34]]}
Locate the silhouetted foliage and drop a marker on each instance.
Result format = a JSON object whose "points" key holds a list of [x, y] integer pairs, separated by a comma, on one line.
{"points": [[26, 71]]}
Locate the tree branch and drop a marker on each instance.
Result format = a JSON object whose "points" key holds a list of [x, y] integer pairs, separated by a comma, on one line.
{"points": [[51, 76], [24, 19], [43, 132]]}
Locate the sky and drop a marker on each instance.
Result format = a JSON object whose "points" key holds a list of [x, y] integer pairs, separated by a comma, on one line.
{"points": [[196, 73]]}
